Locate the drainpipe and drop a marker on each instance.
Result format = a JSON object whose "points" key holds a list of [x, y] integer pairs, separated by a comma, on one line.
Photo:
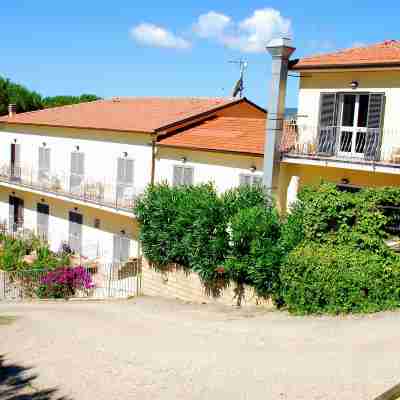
{"points": [[153, 160], [280, 50]]}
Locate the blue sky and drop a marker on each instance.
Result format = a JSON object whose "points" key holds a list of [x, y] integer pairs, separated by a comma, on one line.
{"points": [[173, 48]]}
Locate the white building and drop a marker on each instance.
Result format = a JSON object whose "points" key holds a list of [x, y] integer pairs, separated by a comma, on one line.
{"points": [[72, 173]]}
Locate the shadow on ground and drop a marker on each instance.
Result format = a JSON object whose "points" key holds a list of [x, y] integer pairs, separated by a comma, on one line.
{"points": [[18, 383]]}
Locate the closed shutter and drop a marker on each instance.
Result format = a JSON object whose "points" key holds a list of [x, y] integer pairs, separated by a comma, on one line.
{"points": [[129, 171], [374, 126], [43, 220], [77, 171], [178, 175], [257, 180], [44, 163], [327, 124], [75, 231], [125, 174], [116, 248], [188, 174], [244, 179], [121, 248]]}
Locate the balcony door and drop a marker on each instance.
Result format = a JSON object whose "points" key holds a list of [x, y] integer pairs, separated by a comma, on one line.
{"points": [[353, 124], [15, 161], [16, 213], [75, 231]]}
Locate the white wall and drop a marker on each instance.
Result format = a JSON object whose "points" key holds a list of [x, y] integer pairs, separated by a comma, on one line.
{"points": [[101, 152], [384, 81], [222, 169], [94, 241]]}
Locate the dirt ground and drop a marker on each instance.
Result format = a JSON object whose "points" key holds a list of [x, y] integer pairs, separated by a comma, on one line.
{"points": [[152, 348]]}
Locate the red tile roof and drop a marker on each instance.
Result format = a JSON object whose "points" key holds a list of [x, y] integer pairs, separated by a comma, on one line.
{"points": [[140, 114], [382, 54], [232, 134]]}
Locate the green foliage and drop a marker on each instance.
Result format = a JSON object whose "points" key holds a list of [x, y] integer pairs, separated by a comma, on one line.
{"points": [[13, 251], [27, 100], [57, 101], [337, 279], [254, 254]]}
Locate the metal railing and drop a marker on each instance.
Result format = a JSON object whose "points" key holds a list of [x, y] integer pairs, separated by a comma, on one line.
{"points": [[113, 280], [360, 145], [99, 191]]}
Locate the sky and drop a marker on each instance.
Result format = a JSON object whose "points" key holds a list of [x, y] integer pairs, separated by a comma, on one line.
{"points": [[175, 48]]}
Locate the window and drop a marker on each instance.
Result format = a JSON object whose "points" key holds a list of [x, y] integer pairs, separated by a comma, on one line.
{"points": [[351, 124], [251, 180], [121, 248], [183, 175], [43, 221], [125, 174], [77, 171], [75, 231], [15, 161], [44, 164]]}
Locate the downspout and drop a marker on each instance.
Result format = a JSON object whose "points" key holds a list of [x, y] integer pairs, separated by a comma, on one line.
{"points": [[280, 50], [153, 159]]}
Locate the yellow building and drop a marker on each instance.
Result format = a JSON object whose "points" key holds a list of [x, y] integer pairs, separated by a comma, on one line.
{"points": [[347, 130]]}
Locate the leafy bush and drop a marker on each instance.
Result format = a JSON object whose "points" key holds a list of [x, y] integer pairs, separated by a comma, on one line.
{"points": [[254, 256], [12, 253], [63, 282], [337, 279]]}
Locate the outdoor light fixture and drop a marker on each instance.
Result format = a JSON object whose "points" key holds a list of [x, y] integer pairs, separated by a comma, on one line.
{"points": [[183, 159], [15, 140], [77, 148], [125, 154], [44, 144], [345, 181], [42, 200], [253, 168], [354, 84], [76, 208], [122, 232]]}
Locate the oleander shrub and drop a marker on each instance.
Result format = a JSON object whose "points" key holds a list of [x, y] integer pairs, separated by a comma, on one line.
{"points": [[339, 279], [64, 282], [253, 250]]}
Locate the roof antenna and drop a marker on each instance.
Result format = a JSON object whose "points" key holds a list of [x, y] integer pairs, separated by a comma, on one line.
{"points": [[238, 90]]}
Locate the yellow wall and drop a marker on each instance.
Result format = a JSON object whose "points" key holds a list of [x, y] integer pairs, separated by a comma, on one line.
{"points": [[309, 174]]}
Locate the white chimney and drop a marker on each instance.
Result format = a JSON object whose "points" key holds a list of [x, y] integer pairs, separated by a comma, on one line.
{"points": [[280, 50], [12, 110]]}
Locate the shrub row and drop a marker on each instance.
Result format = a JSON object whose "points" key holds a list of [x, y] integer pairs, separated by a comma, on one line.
{"points": [[327, 256]]}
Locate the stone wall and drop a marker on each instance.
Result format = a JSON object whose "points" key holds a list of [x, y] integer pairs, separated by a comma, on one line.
{"points": [[179, 284]]}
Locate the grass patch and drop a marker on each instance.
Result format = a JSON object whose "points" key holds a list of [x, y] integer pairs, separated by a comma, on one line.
{"points": [[6, 319]]}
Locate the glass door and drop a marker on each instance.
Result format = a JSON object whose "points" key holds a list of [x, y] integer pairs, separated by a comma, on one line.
{"points": [[353, 124]]}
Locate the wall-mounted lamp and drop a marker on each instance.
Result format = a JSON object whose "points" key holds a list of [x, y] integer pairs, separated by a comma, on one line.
{"points": [[42, 200], [122, 232], [125, 154], [183, 159], [15, 140], [253, 168], [76, 208], [13, 193], [44, 144], [345, 181], [77, 148], [354, 85]]}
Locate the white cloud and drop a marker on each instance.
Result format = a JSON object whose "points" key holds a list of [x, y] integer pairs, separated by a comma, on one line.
{"points": [[155, 36], [250, 35], [212, 24]]}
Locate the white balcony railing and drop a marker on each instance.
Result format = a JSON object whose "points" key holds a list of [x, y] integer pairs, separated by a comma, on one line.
{"points": [[360, 145], [117, 195]]}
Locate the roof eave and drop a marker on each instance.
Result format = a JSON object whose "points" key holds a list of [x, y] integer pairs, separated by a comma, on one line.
{"points": [[311, 67]]}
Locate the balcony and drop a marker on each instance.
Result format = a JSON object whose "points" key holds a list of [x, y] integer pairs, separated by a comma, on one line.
{"points": [[358, 148], [96, 191]]}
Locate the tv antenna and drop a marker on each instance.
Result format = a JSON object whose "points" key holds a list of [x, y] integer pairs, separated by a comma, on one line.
{"points": [[238, 90]]}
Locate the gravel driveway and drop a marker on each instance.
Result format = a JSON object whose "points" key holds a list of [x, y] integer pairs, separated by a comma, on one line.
{"points": [[152, 348]]}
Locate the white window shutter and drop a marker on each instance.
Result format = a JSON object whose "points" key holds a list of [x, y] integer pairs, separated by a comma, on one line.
{"points": [[244, 179], [188, 174], [177, 175], [129, 171]]}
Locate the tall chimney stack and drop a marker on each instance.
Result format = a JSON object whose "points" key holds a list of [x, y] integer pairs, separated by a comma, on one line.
{"points": [[280, 50], [12, 110]]}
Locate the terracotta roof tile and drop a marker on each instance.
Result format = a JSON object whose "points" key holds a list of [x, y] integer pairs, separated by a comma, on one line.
{"points": [[140, 114], [380, 54], [243, 135]]}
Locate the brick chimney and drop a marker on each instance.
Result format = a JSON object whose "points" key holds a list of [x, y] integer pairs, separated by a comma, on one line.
{"points": [[280, 50], [12, 110]]}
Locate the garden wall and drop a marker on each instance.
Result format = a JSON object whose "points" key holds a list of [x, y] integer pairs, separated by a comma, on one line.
{"points": [[179, 284]]}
